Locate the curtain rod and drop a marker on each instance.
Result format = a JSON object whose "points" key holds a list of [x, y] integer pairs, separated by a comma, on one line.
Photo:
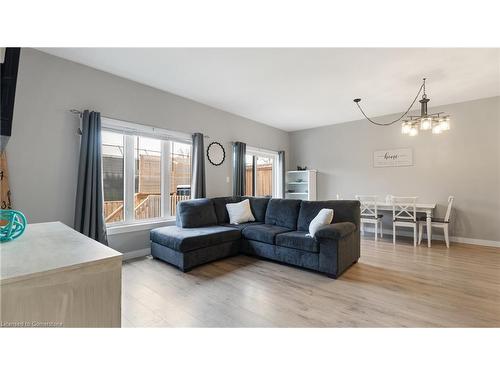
{"points": [[79, 113]]}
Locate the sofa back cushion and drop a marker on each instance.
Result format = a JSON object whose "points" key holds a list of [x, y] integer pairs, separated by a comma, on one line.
{"points": [[196, 213], [283, 213], [220, 208], [259, 207], [343, 210]]}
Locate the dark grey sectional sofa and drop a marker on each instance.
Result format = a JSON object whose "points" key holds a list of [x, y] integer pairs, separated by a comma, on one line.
{"points": [[203, 234]]}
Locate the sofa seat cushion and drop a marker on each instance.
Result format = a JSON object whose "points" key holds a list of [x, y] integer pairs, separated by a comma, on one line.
{"points": [[263, 233], [188, 239], [298, 240], [242, 225]]}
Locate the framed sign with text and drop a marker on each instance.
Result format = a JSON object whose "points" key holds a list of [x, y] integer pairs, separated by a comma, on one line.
{"points": [[398, 157]]}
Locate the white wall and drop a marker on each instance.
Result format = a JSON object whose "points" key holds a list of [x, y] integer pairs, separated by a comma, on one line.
{"points": [[464, 162], [44, 147]]}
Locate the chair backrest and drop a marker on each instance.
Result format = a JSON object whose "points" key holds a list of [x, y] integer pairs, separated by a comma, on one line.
{"points": [[368, 205], [404, 208], [448, 210]]}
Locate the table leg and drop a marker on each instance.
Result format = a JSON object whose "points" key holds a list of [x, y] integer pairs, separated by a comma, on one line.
{"points": [[429, 227]]}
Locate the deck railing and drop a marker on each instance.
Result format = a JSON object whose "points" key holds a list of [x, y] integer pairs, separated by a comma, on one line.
{"points": [[113, 211], [147, 206], [174, 199]]}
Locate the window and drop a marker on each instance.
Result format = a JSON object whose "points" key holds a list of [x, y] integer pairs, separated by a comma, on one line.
{"points": [[147, 191], [145, 172], [180, 182], [262, 177], [249, 181], [112, 176]]}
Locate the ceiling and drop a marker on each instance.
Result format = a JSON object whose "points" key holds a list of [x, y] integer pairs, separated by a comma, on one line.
{"points": [[300, 88]]}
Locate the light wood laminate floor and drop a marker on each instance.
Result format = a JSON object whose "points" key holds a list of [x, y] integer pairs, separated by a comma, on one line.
{"points": [[390, 286]]}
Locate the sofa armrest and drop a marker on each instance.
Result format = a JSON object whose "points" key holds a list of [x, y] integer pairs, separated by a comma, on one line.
{"points": [[335, 231]]}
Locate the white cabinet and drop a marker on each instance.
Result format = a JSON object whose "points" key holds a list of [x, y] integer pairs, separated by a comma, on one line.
{"points": [[301, 185], [53, 276]]}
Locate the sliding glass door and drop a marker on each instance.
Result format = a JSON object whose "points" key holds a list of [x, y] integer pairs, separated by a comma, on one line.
{"points": [[261, 173]]}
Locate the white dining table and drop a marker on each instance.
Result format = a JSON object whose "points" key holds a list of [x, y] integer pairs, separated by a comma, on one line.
{"points": [[427, 208]]}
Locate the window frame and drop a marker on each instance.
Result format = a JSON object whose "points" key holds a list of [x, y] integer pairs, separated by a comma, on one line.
{"points": [[129, 131], [258, 152]]}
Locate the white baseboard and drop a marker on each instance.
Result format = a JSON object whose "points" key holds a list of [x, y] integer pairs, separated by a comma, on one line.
{"points": [[136, 253], [440, 237]]}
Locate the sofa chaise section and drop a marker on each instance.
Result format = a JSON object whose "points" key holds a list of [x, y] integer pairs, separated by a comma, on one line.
{"points": [[202, 232], [190, 247]]}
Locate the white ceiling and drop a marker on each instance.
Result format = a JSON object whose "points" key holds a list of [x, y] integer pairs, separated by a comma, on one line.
{"points": [[299, 88]]}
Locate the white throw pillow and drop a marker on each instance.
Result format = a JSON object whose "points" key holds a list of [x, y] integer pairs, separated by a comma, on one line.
{"points": [[239, 212], [324, 217]]}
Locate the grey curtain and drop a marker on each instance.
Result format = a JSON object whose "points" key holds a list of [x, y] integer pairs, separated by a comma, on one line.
{"points": [[89, 213], [198, 183], [239, 168], [282, 170]]}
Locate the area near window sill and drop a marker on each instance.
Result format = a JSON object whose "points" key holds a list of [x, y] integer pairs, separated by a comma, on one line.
{"points": [[135, 227]]}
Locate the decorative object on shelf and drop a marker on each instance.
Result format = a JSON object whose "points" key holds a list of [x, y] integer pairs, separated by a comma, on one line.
{"points": [[12, 224], [436, 122], [301, 184], [299, 168], [216, 153]]}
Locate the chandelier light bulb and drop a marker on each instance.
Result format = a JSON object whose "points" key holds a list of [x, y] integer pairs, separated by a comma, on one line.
{"points": [[413, 131], [445, 123], [405, 127], [426, 123], [437, 129]]}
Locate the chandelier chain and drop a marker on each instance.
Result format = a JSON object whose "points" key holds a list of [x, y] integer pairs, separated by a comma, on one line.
{"points": [[399, 119]]}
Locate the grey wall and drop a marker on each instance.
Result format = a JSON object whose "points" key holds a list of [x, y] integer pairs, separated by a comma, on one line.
{"points": [[464, 162], [43, 150], [44, 147]]}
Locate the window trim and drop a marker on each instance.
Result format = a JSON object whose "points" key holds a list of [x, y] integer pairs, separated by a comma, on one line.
{"points": [[138, 226], [130, 130]]}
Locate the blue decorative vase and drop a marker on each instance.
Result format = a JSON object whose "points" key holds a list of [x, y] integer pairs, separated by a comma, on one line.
{"points": [[16, 224]]}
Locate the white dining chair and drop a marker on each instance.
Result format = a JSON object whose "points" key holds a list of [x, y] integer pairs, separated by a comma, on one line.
{"points": [[404, 214], [438, 223], [369, 213]]}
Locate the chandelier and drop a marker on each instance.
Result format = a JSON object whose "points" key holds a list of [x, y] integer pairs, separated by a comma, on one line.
{"points": [[436, 122]]}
